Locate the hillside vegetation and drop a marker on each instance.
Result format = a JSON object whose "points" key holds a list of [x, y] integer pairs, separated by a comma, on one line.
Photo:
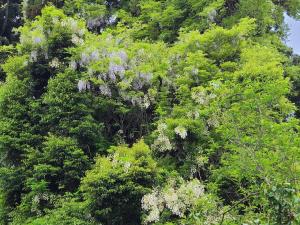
{"points": [[165, 112]]}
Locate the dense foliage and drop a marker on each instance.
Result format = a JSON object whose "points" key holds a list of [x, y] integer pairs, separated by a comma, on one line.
{"points": [[148, 112]]}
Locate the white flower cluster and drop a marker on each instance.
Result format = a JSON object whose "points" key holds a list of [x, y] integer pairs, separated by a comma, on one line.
{"points": [[200, 97], [33, 56], [83, 85], [177, 199], [142, 102], [36, 38], [77, 40], [212, 15], [37, 199], [181, 131], [154, 205], [73, 25], [147, 101], [215, 84], [54, 63], [213, 121], [127, 165], [73, 65], [193, 115], [162, 143], [119, 71], [105, 90]]}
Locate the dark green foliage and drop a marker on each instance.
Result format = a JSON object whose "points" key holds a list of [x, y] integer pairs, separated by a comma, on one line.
{"points": [[10, 18]]}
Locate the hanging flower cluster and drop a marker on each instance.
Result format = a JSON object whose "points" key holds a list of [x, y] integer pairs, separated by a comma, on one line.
{"points": [[177, 199], [36, 37], [116, 71], [83, 85], [54, 63], [181, 131], [162, 142]]}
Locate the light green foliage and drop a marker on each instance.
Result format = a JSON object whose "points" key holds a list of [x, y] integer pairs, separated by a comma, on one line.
{"points": [[5, 52], [115, 185], [262, 144]]}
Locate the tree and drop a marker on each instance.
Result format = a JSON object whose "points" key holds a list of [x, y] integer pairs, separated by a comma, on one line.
{"points": [[115, 185]]}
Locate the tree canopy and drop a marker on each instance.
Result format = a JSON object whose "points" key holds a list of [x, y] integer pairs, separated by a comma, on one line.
{"points": [[148, 112]]}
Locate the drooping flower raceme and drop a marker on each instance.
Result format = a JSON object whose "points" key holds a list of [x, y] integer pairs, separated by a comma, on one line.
{"points": [[83, 85], [181, 131], [177, 199]]}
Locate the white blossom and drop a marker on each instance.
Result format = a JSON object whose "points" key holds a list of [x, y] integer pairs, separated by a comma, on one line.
{"points": [[73, 24], [136, 101], [176, 199], [173, 202], [152, 203], [105, 90], [161, 128], [195, 71], [199, 97], [215, 85], [64, 23], [81, 32], [162, 144], [196, 188], [76, 40], [147, 102], [153, 216], [212, 96], [73, 65], [83, 85], [54, 63], [127, 166], [212, 15], [213, 121], [181, 131], [33, 56]]}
